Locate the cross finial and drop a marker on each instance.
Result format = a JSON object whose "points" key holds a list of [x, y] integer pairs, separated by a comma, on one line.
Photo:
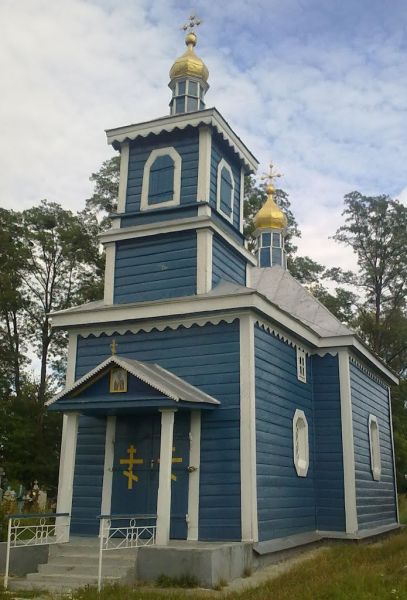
{"points": [[270, 175], [192, 22], [113, 347]]}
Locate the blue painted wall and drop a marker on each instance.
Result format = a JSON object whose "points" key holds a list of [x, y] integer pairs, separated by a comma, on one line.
{"points": [[329, 490], [160, 266], [158, 215], [286, 502], [208, 357], [227, 263], [88, 478], [186, 144], [221, 150], [375, 499]]}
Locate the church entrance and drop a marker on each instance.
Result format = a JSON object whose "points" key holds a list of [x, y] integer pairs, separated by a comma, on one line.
{"points": [[136, 468]]}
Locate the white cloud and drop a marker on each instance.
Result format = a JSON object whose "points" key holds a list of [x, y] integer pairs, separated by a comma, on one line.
{"points": [[329, 109]]}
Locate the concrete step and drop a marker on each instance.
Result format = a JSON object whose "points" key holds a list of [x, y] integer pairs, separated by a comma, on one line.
{"points": [[57, 585], [109, 570], [110, 558]]}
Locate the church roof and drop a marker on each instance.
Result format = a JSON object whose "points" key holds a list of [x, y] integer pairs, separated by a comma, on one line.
{"points": [[210, 116], [278, 286], [152, 374]]}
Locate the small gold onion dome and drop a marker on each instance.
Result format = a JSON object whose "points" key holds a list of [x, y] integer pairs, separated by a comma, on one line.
{"points": [[189, 64], [270, 216]]}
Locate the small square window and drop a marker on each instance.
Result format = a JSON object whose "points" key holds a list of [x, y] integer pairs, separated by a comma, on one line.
{"points": [[301, 365], [180, 105], [192, 104], [277, 240], [266, 239], [193, 88], [181, 88]]}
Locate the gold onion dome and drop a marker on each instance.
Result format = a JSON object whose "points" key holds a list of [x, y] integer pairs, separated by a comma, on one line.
{"points": [[270, 216], [189, 64]]}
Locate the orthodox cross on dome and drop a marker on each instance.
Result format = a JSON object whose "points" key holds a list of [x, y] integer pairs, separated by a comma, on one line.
{"points": [[113, 347], [192, 22], [270, 176]]}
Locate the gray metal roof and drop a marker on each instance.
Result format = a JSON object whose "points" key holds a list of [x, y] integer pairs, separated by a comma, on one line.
{"points": [[150, 373], [278, 286]]}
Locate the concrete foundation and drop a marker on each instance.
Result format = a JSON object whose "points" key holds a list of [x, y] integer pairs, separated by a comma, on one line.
{"points": [[23, 560], [210, 564]]}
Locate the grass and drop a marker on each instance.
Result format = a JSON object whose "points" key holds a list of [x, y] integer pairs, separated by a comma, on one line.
{"points": [[364, 571]]}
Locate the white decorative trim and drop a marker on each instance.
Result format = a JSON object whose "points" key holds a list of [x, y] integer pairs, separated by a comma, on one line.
{"points": [[67, 463], [300, 446], [301, 364], [204, 164], [161, 325], [273, 330], [124, 174], [248, 275], [241, 219], [108, 466], [71, 360], [374, 445], [322, 353], [185, 224], [164, 478], [204, 210], [347, 443], [194, 475], [248, 465], [110, 250], [224, 165], [367, 371], [209, 117], [393, 455], [204, 303], [175, 200], [204, 261]]}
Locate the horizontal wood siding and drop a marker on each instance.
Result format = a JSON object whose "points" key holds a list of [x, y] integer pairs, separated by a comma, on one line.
{"points": [[160, 266], [158, 216], [207, 357], [329, 490], [375, 500], [88, 478], [185, 143], [286, 502], [221, 150], [227, 263]]}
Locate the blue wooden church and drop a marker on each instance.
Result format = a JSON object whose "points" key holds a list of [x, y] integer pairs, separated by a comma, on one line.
{"points": [[209, 387]]}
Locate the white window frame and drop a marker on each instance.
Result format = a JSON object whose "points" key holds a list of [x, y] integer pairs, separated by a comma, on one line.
{"points": [[224, 165], [374, 444], [175, 200], [301, 365], [301, 446]]}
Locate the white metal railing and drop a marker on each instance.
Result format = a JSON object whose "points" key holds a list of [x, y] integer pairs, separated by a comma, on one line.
{"points": [[130, 531], [48, 528]]}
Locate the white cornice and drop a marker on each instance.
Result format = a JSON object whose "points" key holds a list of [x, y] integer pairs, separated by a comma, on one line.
{"points": [[229, 305], [209, 117], [185, 224]]}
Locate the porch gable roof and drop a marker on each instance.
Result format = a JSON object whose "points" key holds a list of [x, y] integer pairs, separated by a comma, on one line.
{"points": [[152, 374]]}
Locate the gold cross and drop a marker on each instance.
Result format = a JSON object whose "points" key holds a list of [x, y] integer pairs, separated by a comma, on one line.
{"points": [[174, 460], [270, 175], [113, 347], [193, 21], [131, 461]]}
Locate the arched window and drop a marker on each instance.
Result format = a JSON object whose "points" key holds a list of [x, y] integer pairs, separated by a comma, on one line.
{"points": [[161, 184], [300, 443], [225, 190], [161, 179], [374, 440]]}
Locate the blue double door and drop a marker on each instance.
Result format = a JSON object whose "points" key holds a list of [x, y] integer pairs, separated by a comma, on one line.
{"points": [[136, 468]]}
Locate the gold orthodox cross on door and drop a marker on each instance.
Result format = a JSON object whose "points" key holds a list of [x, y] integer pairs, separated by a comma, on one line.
{"points": [[131, 461]]}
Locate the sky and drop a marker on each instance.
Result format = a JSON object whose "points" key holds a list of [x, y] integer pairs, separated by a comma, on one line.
{"points": [[318, 86]]}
